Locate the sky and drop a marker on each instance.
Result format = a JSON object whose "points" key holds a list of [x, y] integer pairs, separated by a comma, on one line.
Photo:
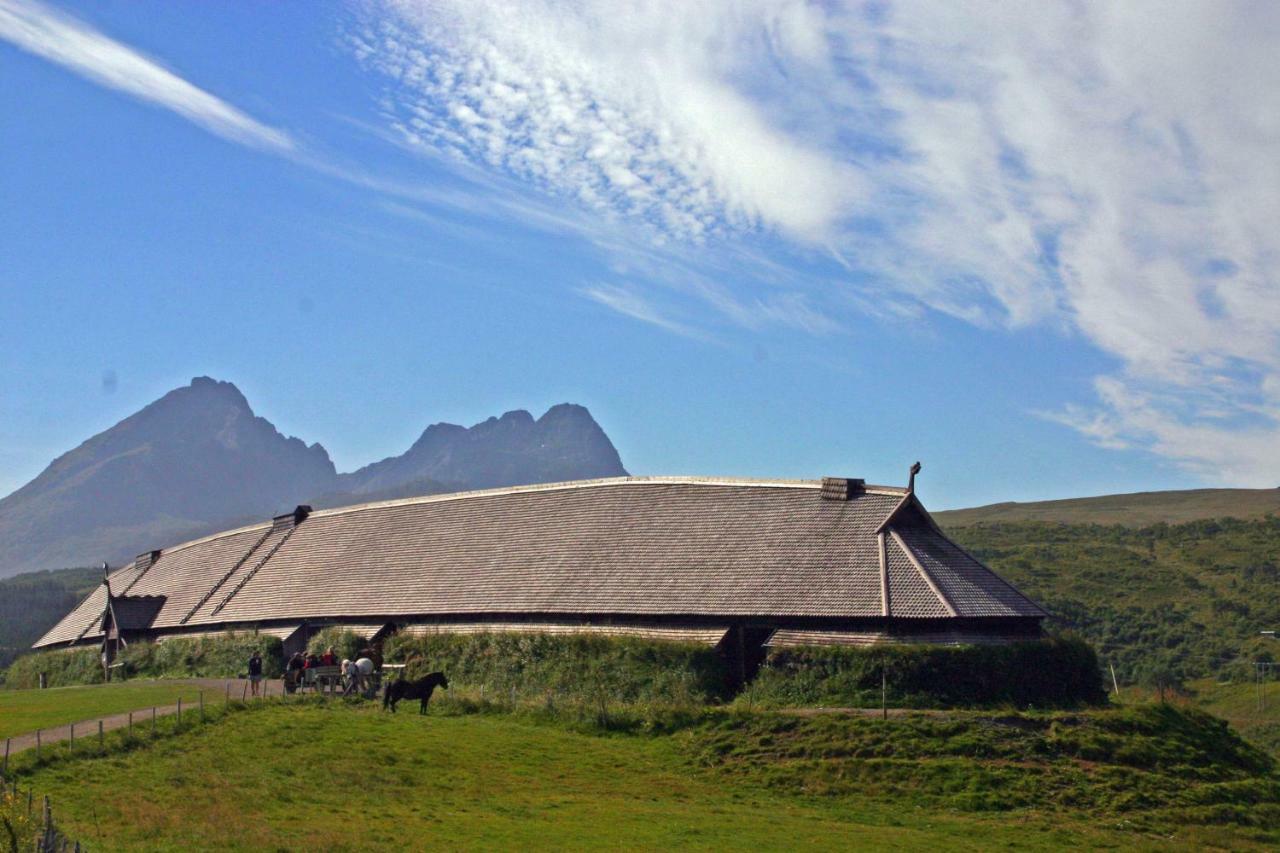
{"points": [[1032, 245]]}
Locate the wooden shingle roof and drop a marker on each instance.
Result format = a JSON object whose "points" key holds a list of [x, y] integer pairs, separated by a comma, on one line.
{"points": [[632, 546]]}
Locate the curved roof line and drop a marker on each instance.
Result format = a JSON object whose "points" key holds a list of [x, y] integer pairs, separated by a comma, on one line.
{"points": [[536, 487]]}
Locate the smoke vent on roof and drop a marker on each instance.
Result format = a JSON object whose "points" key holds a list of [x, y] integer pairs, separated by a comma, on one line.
{"points": [[291, 519], [144, 560], [841, 488]]}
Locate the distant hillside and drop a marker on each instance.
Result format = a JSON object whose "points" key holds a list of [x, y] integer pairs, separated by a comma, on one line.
{"points": [[1133, 510], [1189, 597], [199, 460], [30, 604]]}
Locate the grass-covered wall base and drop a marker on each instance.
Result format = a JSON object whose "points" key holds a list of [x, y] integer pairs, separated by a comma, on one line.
{"points": [[578, 667], [1048, 673], [223, 656]]}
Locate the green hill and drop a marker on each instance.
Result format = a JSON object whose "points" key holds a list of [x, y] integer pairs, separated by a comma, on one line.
{"points": [[1191, 598], [467, 777], [1135, 510], [33, 603]]}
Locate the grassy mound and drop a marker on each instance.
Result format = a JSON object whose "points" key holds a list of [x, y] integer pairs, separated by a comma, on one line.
{"points": [[1050, 673], [224, 656], [568, 667], [719, 779], [1157, 762]]}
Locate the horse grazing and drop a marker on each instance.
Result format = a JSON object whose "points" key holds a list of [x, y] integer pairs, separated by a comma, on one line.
{"points": [[420, 689]]}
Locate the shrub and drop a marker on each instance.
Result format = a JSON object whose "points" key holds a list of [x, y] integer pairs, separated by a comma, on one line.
{"points": [[581, 668], [63, 667], [1049, 673], [222, 656], [346, 643]]}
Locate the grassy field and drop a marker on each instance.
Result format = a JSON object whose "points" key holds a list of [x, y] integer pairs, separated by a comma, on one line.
{"points": [[23, 711], [1134, 510], [342, 776]]}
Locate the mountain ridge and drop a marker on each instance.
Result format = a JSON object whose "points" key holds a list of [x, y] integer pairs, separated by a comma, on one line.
{"points": [[198, 460]]}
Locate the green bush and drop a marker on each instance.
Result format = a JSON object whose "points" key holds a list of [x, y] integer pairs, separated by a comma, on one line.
{"points": [[591, 670], [1049, 673], [63, 667], [223, 656], [346, 643]]}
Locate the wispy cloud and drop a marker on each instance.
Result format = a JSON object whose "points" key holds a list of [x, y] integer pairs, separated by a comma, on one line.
{"points": [[1096, 169], [631, 304], [60, 38]]}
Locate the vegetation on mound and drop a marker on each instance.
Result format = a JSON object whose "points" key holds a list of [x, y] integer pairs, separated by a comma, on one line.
{"points": [[557, 668], [1167, 763], [222, 656], [1050, 673], [713, 779], [1188, 599]]}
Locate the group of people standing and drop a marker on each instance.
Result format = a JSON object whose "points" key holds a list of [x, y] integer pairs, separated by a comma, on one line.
{"points": [[353, 673]]}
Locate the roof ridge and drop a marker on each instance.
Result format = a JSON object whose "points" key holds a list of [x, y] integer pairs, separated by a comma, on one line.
{"points": [[566, 485]]}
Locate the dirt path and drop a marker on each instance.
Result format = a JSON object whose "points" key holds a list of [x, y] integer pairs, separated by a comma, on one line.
{"points": [[216, 691]]}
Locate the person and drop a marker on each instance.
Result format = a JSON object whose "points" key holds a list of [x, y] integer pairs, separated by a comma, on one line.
{"points": [[354, 681], [255, 671], [311, 661], [329, 658], [293, 674]]}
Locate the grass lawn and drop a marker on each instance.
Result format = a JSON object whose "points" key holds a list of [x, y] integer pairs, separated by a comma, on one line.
{"points": [[23, 711], [339, 777]]}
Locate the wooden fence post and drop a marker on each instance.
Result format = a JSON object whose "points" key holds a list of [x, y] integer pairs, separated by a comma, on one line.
{"points": [[73, 735], [131, 725], [101, 745], [153, 720], [179, 725]]}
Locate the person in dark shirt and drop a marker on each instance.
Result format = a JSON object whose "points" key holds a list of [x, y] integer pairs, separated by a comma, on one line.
{"points": [[255, 671]]}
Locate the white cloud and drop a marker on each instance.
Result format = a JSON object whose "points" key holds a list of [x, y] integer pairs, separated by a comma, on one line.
{"points": [[1107, 170], [59, 38], [631, 304]]}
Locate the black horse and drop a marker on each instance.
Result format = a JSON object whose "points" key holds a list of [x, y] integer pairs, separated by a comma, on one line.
{"points": [[420, 689]]}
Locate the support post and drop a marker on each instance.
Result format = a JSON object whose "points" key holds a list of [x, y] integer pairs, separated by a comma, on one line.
{"points": [[179, 725], [884, 691], [101, 743], [73, 735], [131, 725], [1115, 684]]}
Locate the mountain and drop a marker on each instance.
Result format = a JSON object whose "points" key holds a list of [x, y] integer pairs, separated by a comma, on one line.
{"points": [[198, 460], [195, 459], [1139, 509], [564, 444]]}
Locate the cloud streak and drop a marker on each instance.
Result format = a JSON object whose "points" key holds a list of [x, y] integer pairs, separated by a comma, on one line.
{"points": [[61, 39], [1104, 171]]}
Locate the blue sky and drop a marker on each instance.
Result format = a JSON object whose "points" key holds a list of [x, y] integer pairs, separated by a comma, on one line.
{"points": [[1032, 247]]}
